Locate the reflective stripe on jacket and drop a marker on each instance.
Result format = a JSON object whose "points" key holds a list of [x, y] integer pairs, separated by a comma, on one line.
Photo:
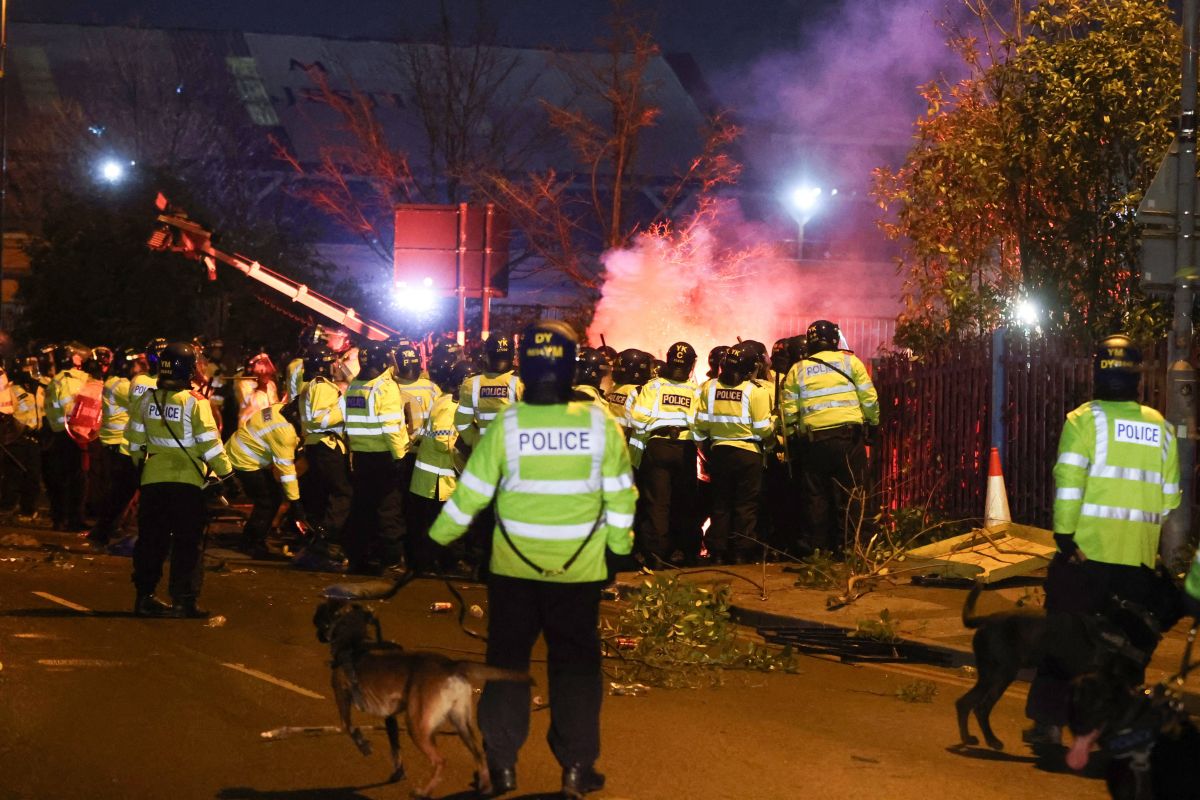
{"points": [[418, 395], [557, 472], [177, 448], [816, 396], [267, 439], [735, 416], [115, 412], [663, 403], [481, 398], [375, 417], [295, 378], [1116, 478], [323, 414], [60, 396], [438, 464]]}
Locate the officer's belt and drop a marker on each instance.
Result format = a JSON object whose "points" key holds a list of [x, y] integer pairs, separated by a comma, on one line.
{"points": [[834, 432], [667, 431]]}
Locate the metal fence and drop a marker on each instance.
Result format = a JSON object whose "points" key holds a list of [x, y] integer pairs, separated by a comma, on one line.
{"points": [[936, 433]]}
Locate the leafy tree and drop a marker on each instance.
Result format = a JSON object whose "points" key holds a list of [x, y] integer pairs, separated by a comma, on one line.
{"points": [[1024, 176]]}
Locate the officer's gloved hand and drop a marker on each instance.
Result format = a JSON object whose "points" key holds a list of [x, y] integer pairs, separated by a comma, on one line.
{"points": [[872, 435], [214, 490]]}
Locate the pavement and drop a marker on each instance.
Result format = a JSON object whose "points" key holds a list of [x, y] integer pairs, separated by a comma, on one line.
{"points": [[931, 616]]}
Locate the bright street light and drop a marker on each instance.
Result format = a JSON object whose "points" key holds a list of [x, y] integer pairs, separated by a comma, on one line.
{"points": [[1028, 313], [805, 198], [112, 171], [415, 299]]}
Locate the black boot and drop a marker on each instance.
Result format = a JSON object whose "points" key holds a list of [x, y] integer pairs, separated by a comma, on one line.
{"points": [[186, 608], [580, 779], [504, 780], [147, 605]]}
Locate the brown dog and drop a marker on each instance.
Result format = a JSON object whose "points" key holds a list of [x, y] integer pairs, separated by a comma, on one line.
{"points": [[383, 679]]}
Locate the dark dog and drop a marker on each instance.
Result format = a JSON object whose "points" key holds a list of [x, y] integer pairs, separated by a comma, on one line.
{"points": [[383, 679], [1006, 642], [1151, 744]]}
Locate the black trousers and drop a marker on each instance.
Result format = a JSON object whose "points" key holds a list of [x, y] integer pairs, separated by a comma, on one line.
{"points": [[22, 474], [667, 479], [736, 481], [171, 519], [65, 481], [331, 492], [264, 492], [835, 467], [568, 615], [122, 480], [375, 529], [1084, 588]]}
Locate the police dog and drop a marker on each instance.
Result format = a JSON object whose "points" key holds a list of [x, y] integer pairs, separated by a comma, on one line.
{"points": [[384, 679], [1119, 641]]}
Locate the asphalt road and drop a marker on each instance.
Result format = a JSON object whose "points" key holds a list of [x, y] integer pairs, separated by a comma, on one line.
{"points": [[95, 703]]}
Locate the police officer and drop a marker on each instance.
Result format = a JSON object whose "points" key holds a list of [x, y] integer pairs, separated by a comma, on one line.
{"points": [[174, 443], [564, 494], [327, 495], [630, 374], [266, 444], [735, 422], [830, 404], [482, 397], [23, 473], [122, 477], [1116, 479], [664, 411], [64, 473], [438, 464], [379, 442], [592, 372], [418, 392]]}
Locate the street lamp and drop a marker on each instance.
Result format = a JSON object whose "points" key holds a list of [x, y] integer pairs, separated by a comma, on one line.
{"points": [[112, 171], [1027, 313], [804, 202]]}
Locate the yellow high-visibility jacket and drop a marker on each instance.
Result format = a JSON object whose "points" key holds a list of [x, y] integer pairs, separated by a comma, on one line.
{"points": [[375, 417], [266, 439], [323, 414], [115, 412], [1116, 479], [172, 435], [663, 403], [735, 416], [480, 400], [438, 464], [60, 396], [559, 474], [816, 396]]}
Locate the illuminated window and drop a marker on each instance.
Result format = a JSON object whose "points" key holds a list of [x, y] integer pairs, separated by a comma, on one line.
{"points": [[252, 91]]}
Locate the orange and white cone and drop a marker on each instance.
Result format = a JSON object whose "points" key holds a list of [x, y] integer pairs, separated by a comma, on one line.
{"points": [[995, 509]]}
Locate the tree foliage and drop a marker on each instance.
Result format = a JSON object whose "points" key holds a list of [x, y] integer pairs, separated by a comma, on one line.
{"points": [[1024, 176]]}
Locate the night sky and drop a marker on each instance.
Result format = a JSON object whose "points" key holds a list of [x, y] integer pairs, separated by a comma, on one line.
{"points": [[721, 34]]}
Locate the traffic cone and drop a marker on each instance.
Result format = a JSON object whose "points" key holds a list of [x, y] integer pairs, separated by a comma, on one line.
{"points": [[995, 509]]}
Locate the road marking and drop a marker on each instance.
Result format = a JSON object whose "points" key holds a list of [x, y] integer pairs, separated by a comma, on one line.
{"points": [[262, 676], [33, 636], [56, 599], [79, 662]]}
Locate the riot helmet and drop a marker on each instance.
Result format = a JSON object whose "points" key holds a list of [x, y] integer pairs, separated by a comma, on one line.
{"points": [[104, 357], [132, 361], [498, 352], [609, 353], [592, 367], [374, 359], [441, 369], [71, 355], [636, 366], [176, 366], [680, 360], [154, 349], [715, 357], [548, 354], [760, 355], [781, 357], [318, 362], [822, 335], [1116, 369], [740, 364], [408, 362]]}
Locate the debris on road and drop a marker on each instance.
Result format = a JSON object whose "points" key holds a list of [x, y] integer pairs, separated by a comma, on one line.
{"points": [[988, 554], [20, 541], [440, 607], [476, 612], [628, 689], [215, 622], [918, 691], [288, 731]]}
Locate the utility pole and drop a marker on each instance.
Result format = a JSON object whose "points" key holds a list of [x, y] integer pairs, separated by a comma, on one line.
{"points": [[1181, 375]]}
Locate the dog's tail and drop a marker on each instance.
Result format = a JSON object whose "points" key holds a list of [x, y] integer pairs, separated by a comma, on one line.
{"points": [[481, 673], [969, 618]]}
